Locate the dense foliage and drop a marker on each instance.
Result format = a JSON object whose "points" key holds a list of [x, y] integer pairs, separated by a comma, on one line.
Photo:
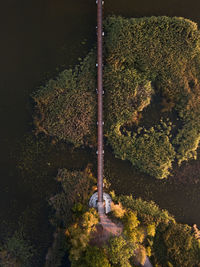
{"points": [[147, 230], [144, 58], [67, 105], [77, 188], [118, 251], [16, 252], [170, 243], [157, 55], [150, 150]]}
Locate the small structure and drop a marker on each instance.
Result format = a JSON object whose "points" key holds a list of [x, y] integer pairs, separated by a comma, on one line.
{"points": [[106, 201]]}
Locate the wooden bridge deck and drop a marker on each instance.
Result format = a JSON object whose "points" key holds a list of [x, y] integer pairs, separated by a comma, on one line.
{"points": [[100, 100]]}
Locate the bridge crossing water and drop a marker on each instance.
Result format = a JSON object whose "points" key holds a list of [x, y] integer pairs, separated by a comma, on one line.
{"points": [[100, 151], [108, 226]]}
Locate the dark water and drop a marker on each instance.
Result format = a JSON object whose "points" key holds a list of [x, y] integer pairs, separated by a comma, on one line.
{"points": [[39, 37]]}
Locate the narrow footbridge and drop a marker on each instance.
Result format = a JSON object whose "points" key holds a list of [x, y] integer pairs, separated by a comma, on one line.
{"points": [[98, 199], [100, 151]]}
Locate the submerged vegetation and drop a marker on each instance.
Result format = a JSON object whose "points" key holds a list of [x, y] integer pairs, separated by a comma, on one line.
{"points": [[147, 230], [145, 58]]}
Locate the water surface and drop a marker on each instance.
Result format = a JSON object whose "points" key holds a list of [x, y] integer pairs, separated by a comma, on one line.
{"points": [[39, 38]]}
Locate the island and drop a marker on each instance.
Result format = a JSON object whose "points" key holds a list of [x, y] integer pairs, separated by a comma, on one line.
{"points": [[151, 85], [143, 229]]}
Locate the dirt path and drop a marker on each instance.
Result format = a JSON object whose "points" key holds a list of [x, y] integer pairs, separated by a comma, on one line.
{"points": [[107, 229], [110, 228], [104, 230]]}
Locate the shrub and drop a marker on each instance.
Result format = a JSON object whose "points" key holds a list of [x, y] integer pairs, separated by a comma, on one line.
{"points": [[95, 257], [147, 211], [117, 210], [119, 251], [16, 251], [80, 234], [77, 189], [66, 106]]}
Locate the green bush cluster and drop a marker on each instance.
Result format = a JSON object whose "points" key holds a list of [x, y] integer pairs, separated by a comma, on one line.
{"points": [[188, 137], [120, 250], [79, 235], [78, 224], [66, 106], [170, 243], [164, 54], [77, 187], [150, 150], [16, 251], [147, 230], [147, 211], [144, 58]]}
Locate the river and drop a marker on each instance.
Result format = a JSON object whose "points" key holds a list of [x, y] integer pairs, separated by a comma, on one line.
{"points": [[39, 38]]}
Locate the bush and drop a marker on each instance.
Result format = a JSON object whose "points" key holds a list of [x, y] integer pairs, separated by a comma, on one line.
{"points": [[95, 257], [66, 106], [117, 210], [119, 251], [77, 189], [147, 211], [16, 251], [80, 234], [150, 151]]}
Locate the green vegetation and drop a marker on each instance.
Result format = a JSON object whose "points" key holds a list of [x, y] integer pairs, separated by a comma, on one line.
{"points": [[80, 234], [168, 242], [77, 188], [67, 105], [157, 55], [151, 151], [145, 58], [147, 231], [16, 251]]}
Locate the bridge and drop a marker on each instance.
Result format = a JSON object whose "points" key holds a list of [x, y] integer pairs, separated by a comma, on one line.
{"points": [[97, 200], [100, 200], [100, 151]]}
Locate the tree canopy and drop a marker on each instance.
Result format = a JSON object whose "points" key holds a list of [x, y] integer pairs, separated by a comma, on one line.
{"points": [[147, 231]]}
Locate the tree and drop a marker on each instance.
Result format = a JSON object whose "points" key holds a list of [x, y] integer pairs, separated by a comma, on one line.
{"points": [[16, 252], [80, 233], [117, 210], [130, 221], [95, 257], [151, 230], [120, 251]]}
